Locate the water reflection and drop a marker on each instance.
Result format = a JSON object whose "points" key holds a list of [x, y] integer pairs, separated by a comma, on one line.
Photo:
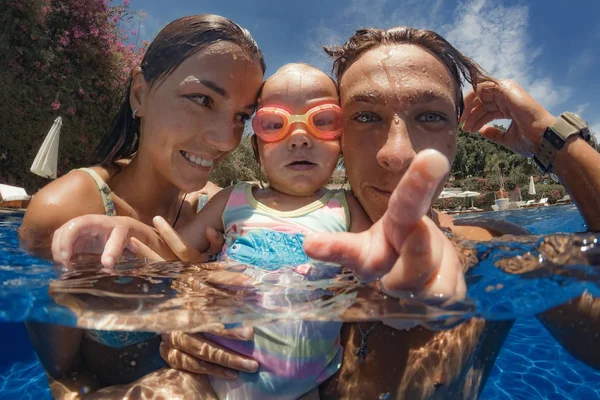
{"points": [[513, 276]]}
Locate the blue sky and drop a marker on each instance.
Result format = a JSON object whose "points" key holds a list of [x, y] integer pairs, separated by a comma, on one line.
{"points": [[550, 47]]}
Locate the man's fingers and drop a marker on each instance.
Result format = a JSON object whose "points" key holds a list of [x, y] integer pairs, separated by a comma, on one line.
{"points": [[429, 267], [448, 285], [494, 134], [412, 198], [352, 250], [468, 105], [182, 361], [340, 248], [202, 349], [420, 259]]}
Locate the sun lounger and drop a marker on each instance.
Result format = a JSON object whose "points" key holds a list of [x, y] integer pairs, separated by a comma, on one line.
{"points": [[13, 197]]}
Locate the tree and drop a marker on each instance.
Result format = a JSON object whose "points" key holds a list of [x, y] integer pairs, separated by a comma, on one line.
{"points": [[240, 165], [478, 157], [67, 58]]}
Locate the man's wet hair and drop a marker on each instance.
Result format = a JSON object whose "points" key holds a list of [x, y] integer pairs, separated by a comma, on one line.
{"points": [[461, 67]]}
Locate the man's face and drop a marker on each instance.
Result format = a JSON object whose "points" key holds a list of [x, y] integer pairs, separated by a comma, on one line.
{"points": [[397, 100]]}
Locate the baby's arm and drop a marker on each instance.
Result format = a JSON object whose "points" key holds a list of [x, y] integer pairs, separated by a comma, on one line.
{"points": [[193, 232]]}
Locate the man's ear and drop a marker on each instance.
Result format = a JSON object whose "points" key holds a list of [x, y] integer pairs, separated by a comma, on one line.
{"points": [[138, 92]]}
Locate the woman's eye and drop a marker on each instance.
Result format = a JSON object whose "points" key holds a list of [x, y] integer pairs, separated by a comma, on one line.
{"points": [[202, 100], [431, 117], [366, 117]]}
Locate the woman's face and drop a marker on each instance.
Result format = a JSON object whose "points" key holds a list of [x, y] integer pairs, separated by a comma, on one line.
{"points": [[397, 100], [195, 116]]}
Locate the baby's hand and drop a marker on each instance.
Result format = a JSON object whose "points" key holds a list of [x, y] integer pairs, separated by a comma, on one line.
{"points": [[93, 234]]}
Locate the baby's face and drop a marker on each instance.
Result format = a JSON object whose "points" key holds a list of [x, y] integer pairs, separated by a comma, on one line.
{"points": [[299, 164]]}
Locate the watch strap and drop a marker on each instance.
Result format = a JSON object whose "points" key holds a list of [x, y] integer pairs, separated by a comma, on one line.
{"points": [[555, 136]]}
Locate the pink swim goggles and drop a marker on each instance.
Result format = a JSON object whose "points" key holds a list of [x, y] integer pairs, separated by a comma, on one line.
{"points": [[272, 124]]}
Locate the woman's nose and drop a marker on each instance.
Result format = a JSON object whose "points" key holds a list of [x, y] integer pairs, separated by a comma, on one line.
{"points": [[224, 136]]}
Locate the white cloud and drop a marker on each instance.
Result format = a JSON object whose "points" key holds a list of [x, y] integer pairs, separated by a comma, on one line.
{"points": [[497, 37], [595, 128], [580, 108], [493, 34]]}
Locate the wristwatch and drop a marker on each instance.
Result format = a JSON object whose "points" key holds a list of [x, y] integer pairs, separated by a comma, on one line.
{"points": [[555, 136]]}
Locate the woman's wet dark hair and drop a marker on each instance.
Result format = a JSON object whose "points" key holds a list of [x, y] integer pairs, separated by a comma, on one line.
{"points": [[460, 67], [172, 46]]}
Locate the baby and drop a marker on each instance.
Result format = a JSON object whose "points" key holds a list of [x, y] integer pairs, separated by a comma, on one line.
{"points": [[297, 129], [296, 140]]}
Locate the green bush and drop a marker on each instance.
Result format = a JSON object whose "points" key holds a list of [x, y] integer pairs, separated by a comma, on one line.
{"points": [[238, 166], [65, 58]]}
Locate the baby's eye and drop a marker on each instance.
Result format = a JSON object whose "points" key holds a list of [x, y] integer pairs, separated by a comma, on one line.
{"points": [[272, 125], [323, 121], [366, 117], [431, 117]]}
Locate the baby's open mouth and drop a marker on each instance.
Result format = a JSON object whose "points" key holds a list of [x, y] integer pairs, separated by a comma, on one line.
{"points": [[302, 163]]}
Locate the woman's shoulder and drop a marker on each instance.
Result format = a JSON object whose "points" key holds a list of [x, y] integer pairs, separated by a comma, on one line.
{"points": [[69, 196]]}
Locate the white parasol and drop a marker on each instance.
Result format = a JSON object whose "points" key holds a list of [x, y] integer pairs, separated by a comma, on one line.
{"points": [[46, 160], [467, 194], [447, 195], [531, 186]]}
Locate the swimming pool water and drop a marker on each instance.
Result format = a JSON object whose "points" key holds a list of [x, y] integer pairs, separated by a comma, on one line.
{"points": [[532, 365]]}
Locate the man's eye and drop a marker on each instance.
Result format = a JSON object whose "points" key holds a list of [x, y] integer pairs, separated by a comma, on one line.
{"points": [[201, 99], [366, 117], [431, 117]]}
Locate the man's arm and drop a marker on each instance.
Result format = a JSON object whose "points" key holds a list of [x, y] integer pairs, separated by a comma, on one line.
{"points": [[577, 165]]}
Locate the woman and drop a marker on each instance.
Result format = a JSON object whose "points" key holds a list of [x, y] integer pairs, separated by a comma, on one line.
{"points": [[184, 110], [401, 93]]}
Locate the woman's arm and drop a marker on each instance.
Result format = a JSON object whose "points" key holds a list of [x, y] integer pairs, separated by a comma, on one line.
{"points": [[68, 197], [110, 236], [101, 234]]}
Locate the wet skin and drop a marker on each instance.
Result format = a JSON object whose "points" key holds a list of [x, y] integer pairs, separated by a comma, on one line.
{"points": [[397, 101], [198, 109]]}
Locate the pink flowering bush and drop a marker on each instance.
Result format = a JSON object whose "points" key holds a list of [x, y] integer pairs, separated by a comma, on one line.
{"points": [[64, 58]]}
